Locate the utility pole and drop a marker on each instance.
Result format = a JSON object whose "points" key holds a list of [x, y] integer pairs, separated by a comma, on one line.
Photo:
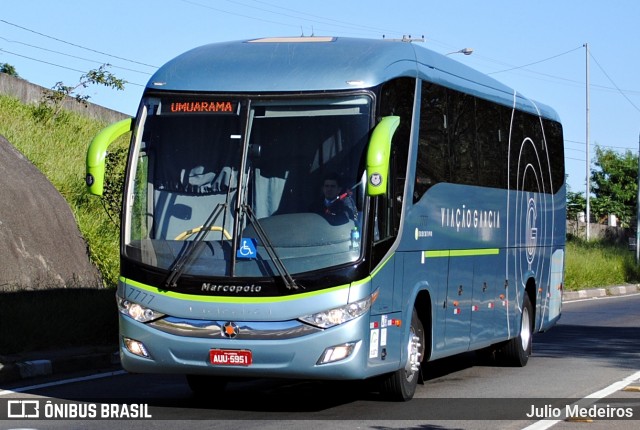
{"points": [[588, 170]]}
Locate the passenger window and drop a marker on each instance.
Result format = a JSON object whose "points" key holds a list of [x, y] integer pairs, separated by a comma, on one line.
{"points": [[492, 133], [462, 143], [433, 144]]}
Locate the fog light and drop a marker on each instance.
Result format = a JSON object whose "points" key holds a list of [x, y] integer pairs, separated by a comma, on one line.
{"points": [[337, 353], [135, 347]]}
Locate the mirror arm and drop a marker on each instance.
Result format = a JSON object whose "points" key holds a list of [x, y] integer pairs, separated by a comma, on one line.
{"points": [[378, 155], [97, 153]]}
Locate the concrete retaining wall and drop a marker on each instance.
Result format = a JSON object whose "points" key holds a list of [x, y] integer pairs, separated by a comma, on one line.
{"points": [[32, 94]]}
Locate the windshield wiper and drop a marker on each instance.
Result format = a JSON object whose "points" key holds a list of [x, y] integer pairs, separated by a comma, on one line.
{"points": [[288, 280], [180, 264]]}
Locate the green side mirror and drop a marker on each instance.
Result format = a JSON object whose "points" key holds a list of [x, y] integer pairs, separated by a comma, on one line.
{"points": [[97, 153], [378, 155]]}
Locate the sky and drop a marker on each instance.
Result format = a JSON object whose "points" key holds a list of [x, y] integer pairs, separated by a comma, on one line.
{"points": [[536, 47]]}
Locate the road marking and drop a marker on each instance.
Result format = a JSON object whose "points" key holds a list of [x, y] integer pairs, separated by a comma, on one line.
{"points": [[588, 400], [62, 382]]}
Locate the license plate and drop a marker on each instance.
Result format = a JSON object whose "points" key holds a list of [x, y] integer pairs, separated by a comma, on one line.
{"points": [[230, 357]]}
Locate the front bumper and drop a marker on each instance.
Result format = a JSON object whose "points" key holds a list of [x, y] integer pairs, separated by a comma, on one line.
{"points": [[275, 351]]}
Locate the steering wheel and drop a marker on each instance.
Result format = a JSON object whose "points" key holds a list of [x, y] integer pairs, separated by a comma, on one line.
{"points": [[186, 234]]}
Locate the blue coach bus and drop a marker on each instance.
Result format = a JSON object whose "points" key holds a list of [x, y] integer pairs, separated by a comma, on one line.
{"points": [[444, 230]]}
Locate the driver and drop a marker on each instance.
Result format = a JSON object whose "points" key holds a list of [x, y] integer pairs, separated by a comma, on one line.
{"points": [[334, 206]]}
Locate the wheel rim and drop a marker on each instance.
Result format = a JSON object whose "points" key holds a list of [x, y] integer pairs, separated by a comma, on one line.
{"points": [[525, 329], [414, 353]]}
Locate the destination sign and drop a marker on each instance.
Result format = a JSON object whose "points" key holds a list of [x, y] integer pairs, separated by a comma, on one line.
{"points": [[228, 107]]}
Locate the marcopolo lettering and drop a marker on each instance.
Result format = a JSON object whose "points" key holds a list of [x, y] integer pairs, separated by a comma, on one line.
{"points": [[238, 289]]}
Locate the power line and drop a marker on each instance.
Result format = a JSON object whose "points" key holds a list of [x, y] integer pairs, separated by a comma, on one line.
{"points": [[624, 148], [536, 62], [42, 61], [344, 24], [574, 149], [71, 56], [58, 65], [315, 18], [355, 28], [558, 78], [76, 45], [194, 3], [613, 83]]}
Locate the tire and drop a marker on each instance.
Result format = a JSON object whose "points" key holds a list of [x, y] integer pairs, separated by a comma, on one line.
{"points": [[401, 384], [205, 385], [516, 351]]}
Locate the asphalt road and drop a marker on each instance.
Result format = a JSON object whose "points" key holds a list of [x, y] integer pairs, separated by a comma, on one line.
{"points": [[595, 344]]}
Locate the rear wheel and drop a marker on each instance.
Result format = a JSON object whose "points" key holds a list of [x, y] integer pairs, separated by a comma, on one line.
{"points": [[401, 384], [516, 351]]}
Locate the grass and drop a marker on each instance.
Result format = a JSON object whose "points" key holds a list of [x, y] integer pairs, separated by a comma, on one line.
{"points": [[597, 264], [58, 149], [57, 318]]}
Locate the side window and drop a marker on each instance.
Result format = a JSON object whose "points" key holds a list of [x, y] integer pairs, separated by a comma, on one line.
{"points": [[433, 143], [465, 140], [554, 140], [528, 168], [492, 134], [462, 138]]}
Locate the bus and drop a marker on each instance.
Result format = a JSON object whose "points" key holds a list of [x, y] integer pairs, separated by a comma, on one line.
{"points": [[444, 231]]}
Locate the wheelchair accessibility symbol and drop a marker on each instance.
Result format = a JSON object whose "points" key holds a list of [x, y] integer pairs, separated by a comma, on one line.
{"points": [[247, 248]]}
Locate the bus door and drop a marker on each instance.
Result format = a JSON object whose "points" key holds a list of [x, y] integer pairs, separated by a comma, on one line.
{"points": [[458, 303], [434, 272], [485, 299]]}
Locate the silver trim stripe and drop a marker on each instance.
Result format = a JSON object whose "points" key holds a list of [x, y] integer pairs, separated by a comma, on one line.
{"points": [[212, 329]]}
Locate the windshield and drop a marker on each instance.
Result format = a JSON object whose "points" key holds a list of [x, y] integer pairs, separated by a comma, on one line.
{"points": [[250, 188]]}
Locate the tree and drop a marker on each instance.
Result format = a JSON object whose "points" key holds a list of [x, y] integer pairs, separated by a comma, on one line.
{"points": [[615, 184], [576, 203], [9, 70], [52, 100]]}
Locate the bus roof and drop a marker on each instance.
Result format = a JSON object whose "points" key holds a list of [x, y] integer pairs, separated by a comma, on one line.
{"points": [[305, 64]]}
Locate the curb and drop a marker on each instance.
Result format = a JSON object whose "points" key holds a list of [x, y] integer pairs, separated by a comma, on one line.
{"points": [[593, 293], [46, 363], [17, 368]]}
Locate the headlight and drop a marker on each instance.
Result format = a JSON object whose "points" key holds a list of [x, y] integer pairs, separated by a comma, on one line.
{"points": [[340, 315], [137, 311]]}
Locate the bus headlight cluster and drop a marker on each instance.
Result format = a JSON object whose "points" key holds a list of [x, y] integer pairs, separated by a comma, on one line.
{"points": [[137, 311], [340, 315]]}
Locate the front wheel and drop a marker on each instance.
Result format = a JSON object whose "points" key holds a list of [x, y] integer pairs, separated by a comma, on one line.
{"points": [[401, 384], [516, 351]]}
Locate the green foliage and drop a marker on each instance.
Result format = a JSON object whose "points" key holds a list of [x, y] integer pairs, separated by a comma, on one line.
{"points": [[576, 203], [59, 152], [615, 185], [50, 107], [114, 182], [598, 264], [9, 70]]}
